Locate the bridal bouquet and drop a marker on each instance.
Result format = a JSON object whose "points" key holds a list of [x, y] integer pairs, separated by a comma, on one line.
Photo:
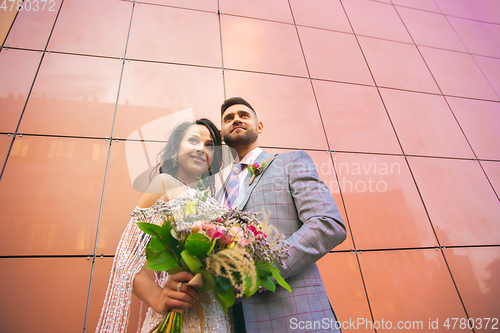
{"points": [[231, 250]]}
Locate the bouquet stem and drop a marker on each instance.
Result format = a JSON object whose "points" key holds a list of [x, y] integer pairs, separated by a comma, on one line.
{"points": [[173, 321], [171, 324]]}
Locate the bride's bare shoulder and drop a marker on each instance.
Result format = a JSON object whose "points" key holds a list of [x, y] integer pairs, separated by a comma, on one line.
{"points": [[163, 186]]}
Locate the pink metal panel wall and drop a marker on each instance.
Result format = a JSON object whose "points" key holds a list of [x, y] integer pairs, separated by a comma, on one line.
{"points": [[397, 102]]}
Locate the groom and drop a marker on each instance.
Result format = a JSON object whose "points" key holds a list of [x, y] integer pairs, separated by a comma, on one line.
{"points": [[302, 209]]}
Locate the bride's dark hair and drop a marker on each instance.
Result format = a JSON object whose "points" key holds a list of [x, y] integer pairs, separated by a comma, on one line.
{"points": [[166, 155]]}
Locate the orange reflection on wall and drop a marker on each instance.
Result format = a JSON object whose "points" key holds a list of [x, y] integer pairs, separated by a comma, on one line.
{"points": [[6, 20], [73, 95], [339, 270], [50, 194], [462, 205], [33, 27], [17, 71], [382, 202], [477, 274], [45, 294], [409, 287], [104, 35], [396, 101]]}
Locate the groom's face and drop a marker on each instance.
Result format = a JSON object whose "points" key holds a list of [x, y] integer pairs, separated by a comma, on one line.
{"points": [[240, 126]]}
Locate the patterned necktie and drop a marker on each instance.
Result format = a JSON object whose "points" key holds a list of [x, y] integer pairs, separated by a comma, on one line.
{"points": [[233, 185]]}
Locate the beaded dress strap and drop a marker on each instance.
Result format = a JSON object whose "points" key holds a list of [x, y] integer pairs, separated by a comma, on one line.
{"points": [[164, 190]]}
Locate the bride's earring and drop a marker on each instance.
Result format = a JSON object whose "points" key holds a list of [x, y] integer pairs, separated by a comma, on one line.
{"points": [[174, 160]]}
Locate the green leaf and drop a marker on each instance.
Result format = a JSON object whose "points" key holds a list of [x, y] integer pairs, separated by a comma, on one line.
{"points": [[208, 281], [279, 279], [200, 180], [236, 276], [225, 298], [202, 195], [182, 267], [223, 282], [166, 236], [251, 288], [250, 169], [150, 228], [156, 244], [263, 269], [150, 253], [197, 245], [175, 270], [221, 301], [267, 283], [193, 263], [162, 261]]}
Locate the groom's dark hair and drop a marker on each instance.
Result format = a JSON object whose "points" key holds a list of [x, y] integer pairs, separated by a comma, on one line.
{"points": [[234, 101]]}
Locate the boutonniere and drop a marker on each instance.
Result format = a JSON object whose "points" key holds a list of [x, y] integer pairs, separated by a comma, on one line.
{"points": [[256, 169]]}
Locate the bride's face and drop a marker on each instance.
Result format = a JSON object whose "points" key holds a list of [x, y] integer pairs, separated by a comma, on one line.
{"points": [[196, 152]]}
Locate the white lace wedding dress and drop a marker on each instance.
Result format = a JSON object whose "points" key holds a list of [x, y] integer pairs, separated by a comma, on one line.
{"points": [[129, 260]]}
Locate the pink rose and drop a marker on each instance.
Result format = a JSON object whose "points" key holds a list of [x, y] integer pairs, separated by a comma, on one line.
{"points": [[226, 239], [210, 230], [237, 232], [255, 165], [221, 231], [197, 226]]}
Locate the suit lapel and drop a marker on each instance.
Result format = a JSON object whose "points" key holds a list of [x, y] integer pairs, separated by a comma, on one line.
{"points": [[247, 189]]}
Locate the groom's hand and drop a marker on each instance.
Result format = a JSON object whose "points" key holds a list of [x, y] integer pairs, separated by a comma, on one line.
{"points": [[171, 298]]}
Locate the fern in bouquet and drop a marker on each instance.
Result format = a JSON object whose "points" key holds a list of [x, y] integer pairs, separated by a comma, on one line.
{"points": [[231, 250]]}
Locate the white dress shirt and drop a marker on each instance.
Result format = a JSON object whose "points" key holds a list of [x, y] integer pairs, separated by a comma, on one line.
{"points": [[249, 159]]}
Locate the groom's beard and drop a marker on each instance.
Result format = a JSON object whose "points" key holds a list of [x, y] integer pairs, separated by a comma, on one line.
{"points": [[247, 138]]}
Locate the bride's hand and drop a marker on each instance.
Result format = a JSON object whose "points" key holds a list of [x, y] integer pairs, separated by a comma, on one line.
{"points": [[171, 298]]}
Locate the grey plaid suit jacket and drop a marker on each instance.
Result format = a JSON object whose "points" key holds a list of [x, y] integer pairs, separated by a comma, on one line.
{"points": [[302, 208]]}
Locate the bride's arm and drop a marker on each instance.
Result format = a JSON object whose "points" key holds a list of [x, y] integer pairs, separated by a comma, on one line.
{"points": [[144, 286], [163, 299]]}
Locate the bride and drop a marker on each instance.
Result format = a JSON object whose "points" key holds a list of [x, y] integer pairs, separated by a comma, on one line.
{"points": [[193, 151]]}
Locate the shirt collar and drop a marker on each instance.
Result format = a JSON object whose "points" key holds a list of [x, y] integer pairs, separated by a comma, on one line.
{"points": [[251, 156]]}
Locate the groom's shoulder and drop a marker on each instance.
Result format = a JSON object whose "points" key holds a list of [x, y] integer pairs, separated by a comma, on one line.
{"points": [[294, 161], [294, 155]]}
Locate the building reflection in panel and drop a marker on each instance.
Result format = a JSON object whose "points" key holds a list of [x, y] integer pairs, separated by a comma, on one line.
{"points": [[462, 206], [50, 195], [73, 95], [382, 202], [476, 272], [17, 71]]}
